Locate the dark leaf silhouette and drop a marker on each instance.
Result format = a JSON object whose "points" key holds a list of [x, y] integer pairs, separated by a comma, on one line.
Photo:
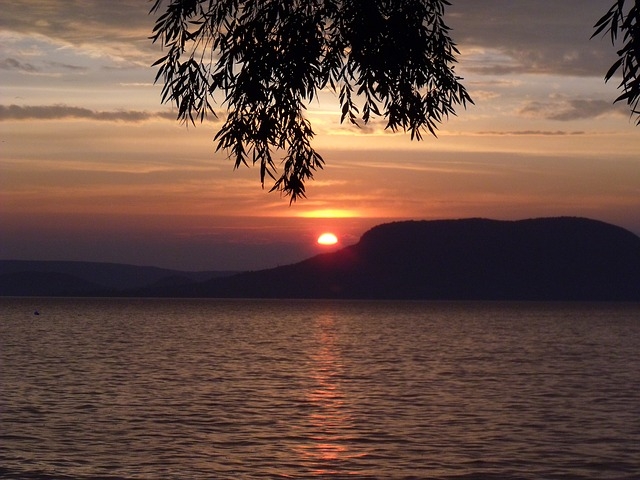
{"points": [[264, 61], [619, 21]]}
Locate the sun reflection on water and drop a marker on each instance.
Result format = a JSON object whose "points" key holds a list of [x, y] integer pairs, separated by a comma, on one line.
{"points": [[329, 446]]}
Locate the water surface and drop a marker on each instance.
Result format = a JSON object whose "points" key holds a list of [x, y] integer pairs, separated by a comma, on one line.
{"points": [[175, 389]]}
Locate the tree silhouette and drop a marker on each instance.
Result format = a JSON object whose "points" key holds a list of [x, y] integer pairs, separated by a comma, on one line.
{"points": [[626, 24], [267, 59]]}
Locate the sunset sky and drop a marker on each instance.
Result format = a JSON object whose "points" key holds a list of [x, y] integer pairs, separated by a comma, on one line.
{"points": [[93, 167]]}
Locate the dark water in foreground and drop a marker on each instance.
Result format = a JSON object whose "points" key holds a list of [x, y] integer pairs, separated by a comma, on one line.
{"points": [[195, 389]]}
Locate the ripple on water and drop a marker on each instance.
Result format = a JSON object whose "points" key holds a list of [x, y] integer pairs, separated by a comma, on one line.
{"points": [[146, 389]]}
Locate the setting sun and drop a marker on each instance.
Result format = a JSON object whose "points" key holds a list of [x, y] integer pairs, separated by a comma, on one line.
{"points": [[327, 239]]}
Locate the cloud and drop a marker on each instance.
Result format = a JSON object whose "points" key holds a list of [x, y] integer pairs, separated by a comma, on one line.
{"points": [[484, 95], [570, 109], [66, 66], [117, 30], [554, 133], [58, 112], [77, 21], [542, 36], [17, 65], [46, 67]]}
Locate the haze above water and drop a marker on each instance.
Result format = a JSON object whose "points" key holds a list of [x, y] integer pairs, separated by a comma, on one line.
{"points": [[165, 389]]}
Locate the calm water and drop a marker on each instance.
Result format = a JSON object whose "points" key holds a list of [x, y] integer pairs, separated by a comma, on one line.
{"points": [[198, 389]]}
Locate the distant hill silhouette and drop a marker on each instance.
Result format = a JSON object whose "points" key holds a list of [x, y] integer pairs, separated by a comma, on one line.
{"points": [[60, 278], [562, 258], [537, 259], [48, 284]]}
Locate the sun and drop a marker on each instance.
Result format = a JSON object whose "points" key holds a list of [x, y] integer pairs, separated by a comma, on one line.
{"points": [[327, 239]]}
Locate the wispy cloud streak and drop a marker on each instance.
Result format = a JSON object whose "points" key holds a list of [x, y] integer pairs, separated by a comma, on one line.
{"points": [[554, 133], [17, 65], [61, 112], [571, 109]]}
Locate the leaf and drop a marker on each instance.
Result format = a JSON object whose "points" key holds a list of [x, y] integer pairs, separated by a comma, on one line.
{"points": [[268, 59], [611, 72]]}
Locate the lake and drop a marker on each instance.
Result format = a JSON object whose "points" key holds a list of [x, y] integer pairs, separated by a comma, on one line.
{"points": [[254, 389]]}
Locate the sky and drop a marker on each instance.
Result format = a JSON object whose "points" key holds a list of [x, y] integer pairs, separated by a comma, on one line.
{"points": [[94, 167]]}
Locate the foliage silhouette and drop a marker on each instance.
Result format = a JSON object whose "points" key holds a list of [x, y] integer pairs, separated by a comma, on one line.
{"points": [[268, 58], [626, 24], [383, 58]]}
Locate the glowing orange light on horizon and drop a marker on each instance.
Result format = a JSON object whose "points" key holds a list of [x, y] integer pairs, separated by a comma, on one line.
{"points": [[330, 213], [327, 239]]}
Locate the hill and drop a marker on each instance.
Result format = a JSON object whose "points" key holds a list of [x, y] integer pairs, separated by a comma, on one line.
{"points": [[472, 259], [562, 258], [59, 278]]}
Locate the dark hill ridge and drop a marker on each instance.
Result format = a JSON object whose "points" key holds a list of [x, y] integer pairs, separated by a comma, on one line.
{"points": [[537, 259], [472, 259], [47, 284], [60, 278]]}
